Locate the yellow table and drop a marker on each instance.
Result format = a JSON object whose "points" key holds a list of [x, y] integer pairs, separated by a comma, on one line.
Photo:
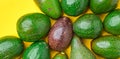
{"points": [[12, 10]]}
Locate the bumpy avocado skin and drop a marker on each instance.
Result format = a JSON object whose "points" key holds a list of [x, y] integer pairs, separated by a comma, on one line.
{"points": [[88, 26], [102, 6], [74, 7], [32, 27], [10, 47], [107, 47], [38, 50], [112, 22]]}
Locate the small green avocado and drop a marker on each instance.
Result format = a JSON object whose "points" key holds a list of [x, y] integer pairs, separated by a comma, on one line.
{"points": [[80, 51], [60, 55], [112, 22], [74, 7], [102, 6], [32, 27], [88, 26], [10, 47], [38, 50], [107, 46]]}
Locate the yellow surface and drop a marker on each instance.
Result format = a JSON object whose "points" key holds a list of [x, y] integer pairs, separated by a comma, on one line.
{"points": [[12, 10]]}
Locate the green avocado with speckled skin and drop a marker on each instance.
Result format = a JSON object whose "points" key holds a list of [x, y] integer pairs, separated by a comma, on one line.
{"points": [[79, 50], [112, 22], [107, 47], [50, 7], [38, 50], [61, 55], [31, 27], [74, 7], [88, 26], [10, 47], [102, 6]]}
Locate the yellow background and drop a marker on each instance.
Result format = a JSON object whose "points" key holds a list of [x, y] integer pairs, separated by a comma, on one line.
{"points": [[12, 10]]}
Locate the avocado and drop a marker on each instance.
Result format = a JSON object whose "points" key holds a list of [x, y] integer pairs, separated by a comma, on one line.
{"points": [[107, 46], [33, 26], [102, 6], [61, 55], [112, 22], [10, 47], [79, 50], [51, 8], [38, 50], [60, 34], [88, 26], [74, 7]]}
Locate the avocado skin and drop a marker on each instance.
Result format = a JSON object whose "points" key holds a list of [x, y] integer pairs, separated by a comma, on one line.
{"points": [[10, 47], [33, 26], [38, 50], [112, 22], [107, 47], [74, 7], [80, 51], [102, 6], [61, 55], [88, 26], [51, 8]]}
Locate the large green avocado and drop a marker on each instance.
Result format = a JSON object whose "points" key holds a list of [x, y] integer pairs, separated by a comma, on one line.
{"points": [[88, 26], [10, 47], [31, 27], [102, 6], [74, 7], [38, 50], [112, 22], [107, 46]]}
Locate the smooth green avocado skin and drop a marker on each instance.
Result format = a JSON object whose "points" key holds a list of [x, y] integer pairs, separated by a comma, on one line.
{"points": [[32, 27], [102, 6], [107, 47], [112, 22], [74, 7], [79, 50], [88, 26], [61, 55], [38, 50], [10, 47], [52, 8]]}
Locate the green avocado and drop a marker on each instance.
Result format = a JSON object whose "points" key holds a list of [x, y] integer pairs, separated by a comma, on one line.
{"points": [[107, 46], [102, 6], [79, 50], [31, 27], [50, 7], [10, 47], [74, 7], [88, 26], [38, 50], [112, 22], [60, 55]]}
